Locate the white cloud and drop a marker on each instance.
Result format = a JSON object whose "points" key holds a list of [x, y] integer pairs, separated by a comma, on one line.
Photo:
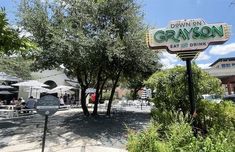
{"points": [[168, 60], [202, 56], [25, 33], [204, 66], [223, 49], [22, 31]]}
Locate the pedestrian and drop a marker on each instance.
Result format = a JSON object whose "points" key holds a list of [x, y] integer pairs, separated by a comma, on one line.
{"points": [[61, 101], [65, 98], [93, 97], [30, 104]]}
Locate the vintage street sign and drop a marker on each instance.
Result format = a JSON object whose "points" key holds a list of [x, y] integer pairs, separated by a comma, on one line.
{"points": [[187, 38], [188, 35], [47, 105]]}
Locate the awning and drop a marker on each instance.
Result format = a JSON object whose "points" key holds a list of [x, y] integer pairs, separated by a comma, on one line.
{"points": [[6, 77], [5, 92]]}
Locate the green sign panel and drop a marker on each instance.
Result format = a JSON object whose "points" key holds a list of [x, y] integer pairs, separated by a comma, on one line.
{"points": [[188, 35]]}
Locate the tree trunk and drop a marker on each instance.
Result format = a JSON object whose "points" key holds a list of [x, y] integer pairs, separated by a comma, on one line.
{"points": [[134, 95], [112, 94], [83, 101], [101, 90], [83, 95], [97, 93]]}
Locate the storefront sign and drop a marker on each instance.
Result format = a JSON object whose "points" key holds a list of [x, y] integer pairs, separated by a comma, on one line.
{"points": [[187, 35]]}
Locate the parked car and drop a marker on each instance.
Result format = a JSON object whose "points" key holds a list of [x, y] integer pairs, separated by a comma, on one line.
{"points": [[230, 97], [212, 97]]}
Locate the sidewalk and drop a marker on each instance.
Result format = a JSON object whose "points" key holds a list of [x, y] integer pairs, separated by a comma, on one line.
{"points": [[71, 131], [26, 148]]}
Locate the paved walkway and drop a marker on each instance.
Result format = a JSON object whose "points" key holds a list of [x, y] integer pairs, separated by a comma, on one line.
{"points": [[70, 131]]}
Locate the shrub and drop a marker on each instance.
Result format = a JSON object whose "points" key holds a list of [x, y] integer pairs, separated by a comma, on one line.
{"points": [[177, 136], [213, 129], [146, 141], [171, 89], [217, 116]]}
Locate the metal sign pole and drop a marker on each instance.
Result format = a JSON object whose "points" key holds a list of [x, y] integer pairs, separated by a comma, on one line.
{"points": [[141, 104], [47, 106], [190, 87], [31, 91], [44, 134]]}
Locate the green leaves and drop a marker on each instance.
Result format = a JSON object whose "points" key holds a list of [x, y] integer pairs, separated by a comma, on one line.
{"points": [[10, 41], [16, 67], [95, 41], [172, 132], [171, 89], [84, 35]]}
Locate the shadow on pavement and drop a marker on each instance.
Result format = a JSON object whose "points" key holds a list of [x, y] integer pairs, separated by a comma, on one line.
{"points": [[111, 131], [73, 129]]}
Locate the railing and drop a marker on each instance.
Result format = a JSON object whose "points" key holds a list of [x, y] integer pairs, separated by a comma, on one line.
{"points": [[221, 72]]}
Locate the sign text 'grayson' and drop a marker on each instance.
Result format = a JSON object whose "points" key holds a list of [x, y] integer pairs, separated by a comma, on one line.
{"points": [[186, 35]]}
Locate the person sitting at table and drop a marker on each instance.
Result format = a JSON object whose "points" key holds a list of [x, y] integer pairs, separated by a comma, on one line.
{"points": [[30, 104], [13, 101], [1, 102], [18, 104], [23, 103], [22, 99]]}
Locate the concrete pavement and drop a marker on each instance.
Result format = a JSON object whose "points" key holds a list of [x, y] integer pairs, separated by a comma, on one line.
{"points": [[70, 131]]}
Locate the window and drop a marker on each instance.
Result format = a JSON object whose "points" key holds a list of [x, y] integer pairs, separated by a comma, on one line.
{"points": [[225, 65]]}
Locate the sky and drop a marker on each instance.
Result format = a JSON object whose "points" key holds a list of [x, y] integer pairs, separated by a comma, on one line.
{"points": [[158, 13]]}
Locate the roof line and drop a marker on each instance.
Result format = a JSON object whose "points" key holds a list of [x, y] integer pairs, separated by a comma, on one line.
{"points": [[221, 59]]}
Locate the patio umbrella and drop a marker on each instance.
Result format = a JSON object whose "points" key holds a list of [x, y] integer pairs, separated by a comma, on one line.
{"points": [[6, 87], [90, 90], [12, 78], [6, 77], [31, 84], [3, 76], [37, 90], [5, 92], [61, 89]]}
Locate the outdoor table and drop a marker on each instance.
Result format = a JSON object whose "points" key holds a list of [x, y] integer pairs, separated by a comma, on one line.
{"points": [[7, 113], [12, 107]]}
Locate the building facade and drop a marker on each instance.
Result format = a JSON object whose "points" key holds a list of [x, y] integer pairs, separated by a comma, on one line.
{"points": [[52, 78], [224, 69]]}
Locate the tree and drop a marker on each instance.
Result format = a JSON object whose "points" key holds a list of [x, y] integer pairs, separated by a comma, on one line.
{"points": [[10, 41], [136, 82], [95, 41], [171, 91], [123, 43], [62, 39], [16, 67]]}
